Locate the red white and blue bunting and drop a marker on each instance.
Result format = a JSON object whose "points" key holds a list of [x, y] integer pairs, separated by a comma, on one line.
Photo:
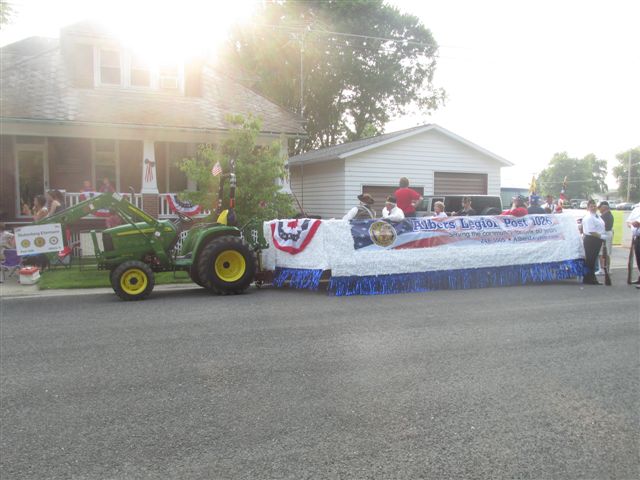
{"points": [[183, 207], [293, 236], [370, 257]]}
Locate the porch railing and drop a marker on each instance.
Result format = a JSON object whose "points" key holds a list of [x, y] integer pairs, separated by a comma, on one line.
{"points": [[164, 208]]}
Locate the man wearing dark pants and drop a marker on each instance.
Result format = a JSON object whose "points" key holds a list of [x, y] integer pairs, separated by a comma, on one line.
{"points": [[592, 231], [633, 220], [607, 238]]}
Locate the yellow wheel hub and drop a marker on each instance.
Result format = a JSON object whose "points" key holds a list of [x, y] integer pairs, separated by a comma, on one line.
{"points": [[134, 281], [230, 266]]}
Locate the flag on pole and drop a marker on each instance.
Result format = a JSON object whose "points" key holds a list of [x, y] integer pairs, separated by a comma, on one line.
{"points": [[563, 190], [532, 187], [562, 198], [216, 170]]}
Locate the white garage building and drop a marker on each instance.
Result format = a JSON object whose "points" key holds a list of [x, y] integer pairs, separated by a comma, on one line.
{"points": [[436, 161]]}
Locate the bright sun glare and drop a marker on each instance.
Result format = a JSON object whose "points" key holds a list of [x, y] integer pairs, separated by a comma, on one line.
{"points": [[175, 31], [161, 31]]}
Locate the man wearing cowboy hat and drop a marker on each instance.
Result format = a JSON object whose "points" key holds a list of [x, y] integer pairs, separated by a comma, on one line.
{"points": [[362, 211], [391, 211]]}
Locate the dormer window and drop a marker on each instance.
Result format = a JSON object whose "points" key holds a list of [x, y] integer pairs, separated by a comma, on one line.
{"points": [[110, 71], [125, 69]]}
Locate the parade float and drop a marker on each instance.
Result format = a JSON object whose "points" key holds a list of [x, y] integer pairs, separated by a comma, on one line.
{"points": [[370, 257]]}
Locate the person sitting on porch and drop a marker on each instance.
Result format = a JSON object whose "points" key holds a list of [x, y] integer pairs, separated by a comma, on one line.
{"points": [[106, 186], [86, 186], [40, 209], [55, 202]]}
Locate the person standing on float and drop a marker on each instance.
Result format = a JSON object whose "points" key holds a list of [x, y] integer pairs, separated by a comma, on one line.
{"points": [[407, 198]]}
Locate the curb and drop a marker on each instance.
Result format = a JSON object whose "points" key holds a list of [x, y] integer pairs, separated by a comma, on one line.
{"points": [[86, 291]]}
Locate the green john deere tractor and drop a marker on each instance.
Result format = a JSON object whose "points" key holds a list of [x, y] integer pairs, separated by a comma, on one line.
{"points": [[215, 255]]}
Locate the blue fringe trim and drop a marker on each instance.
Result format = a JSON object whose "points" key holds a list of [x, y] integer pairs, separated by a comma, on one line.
{"points": [[297, 277], [456, 279]]}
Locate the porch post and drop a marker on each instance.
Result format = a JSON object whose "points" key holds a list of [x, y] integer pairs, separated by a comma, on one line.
{"points": [[150, 200]]}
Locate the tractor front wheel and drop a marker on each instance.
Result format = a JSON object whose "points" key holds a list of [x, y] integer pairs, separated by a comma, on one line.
{"points": [[132, 280], [227, 264]]}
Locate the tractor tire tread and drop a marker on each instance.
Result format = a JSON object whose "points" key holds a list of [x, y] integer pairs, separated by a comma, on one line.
{"points": [[117, 272], [205, 265]]}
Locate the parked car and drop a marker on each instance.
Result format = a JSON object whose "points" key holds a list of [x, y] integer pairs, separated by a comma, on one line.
{"points": [[625, 206], [613, 205], [584, 204], [576, 202]]}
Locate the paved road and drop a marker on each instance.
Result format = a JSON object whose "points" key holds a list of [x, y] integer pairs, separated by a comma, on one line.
{"points": [[536, 382]]}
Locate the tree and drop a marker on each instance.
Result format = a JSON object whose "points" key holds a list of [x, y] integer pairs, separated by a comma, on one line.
{"points": [[258, 169], [363, 62], [621, 172], [5, 13], [585, 176]]}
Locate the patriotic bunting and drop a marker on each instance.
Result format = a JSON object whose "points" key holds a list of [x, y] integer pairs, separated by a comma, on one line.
{"points": [[183, 207]]}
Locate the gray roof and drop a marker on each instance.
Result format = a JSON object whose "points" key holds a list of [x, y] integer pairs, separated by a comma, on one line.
{"points": [[38, 87], [337, 151], [345, 150]]}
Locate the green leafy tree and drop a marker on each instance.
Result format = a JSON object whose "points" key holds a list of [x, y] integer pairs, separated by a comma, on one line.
{"points": [[621, 172], [258, 169], [585, 176], [352, 84], [6, 12]]}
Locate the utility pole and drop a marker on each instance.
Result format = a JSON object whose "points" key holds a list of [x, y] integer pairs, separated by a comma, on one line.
{"points": [[629, 178], [302, 74]]}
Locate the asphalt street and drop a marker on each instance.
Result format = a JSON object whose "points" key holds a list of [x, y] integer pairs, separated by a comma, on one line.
{"points": [[536, 382]]}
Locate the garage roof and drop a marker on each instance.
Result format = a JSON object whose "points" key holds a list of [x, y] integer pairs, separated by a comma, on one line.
{"points": [[349, 149]]}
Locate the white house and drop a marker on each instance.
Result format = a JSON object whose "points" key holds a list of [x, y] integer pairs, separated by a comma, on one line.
{"points": [[436, 161]]}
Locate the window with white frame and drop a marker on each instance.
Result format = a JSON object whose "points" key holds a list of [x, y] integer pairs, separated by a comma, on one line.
{"points": [[127, 69], [110, 67]]}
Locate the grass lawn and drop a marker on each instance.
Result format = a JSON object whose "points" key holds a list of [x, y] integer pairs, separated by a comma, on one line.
{"points": [[91, 278]]}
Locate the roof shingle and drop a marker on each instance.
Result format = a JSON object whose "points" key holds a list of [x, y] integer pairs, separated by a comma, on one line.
{"points": [[39, 88]]}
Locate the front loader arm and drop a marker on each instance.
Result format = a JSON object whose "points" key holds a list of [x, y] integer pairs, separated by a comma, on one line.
{"points": [[111, 201]]}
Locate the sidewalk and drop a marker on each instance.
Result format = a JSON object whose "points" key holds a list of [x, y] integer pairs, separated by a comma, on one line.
{"points": [[12, 289]]}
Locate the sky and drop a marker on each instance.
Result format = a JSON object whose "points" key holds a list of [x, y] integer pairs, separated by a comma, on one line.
{"points": [[524, 79]]}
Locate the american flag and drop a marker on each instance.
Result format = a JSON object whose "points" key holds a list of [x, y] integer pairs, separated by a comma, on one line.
{"points": [[216, 170]]}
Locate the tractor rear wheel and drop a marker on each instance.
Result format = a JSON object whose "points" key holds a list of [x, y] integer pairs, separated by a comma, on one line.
{"points": [[227, 265], [132, 280], [195, 278]]}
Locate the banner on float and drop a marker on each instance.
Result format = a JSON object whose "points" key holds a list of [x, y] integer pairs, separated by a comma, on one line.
{"points": [[454, 231], [35, 239]]}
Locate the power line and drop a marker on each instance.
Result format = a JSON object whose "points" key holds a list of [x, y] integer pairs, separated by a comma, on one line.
{"points": [[354, 35]]}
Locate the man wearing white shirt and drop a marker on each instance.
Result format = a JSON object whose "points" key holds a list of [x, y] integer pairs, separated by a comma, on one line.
{"points": [[391, 211], [633, 221], [592, 231]]}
